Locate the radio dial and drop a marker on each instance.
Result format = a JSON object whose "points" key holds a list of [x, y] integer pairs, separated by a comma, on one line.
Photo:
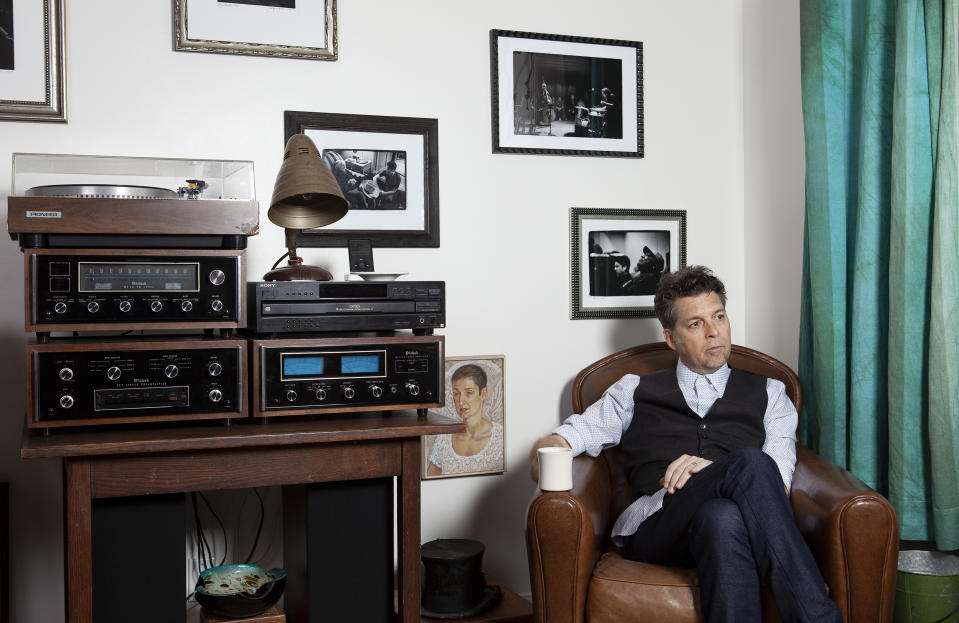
{"points": [[320, 395], [60, 308], [348, 392], [93, 307], [290, 395], [156, 306], [66, 401], [171, 371], [66, 374], [376, 391], [215, 369], [186, 306], [215, 395], [216, 305], [113, 373], [413, 388], [217, 277], [125, 306]]}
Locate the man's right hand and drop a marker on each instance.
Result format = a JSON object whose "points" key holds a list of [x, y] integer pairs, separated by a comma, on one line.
{"points": [[547, 441]]}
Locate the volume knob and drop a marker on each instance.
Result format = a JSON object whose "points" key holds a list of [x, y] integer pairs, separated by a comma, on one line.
{"points": [[171, 371], [113, 373], [215, 395], [125, 306], [216, 305], [320, 394], [349, 392], [290, 395], [60, 308], [186, 305], [215, 369], [413, 388], [376, 391], [66, 401], [66, 374], [217, 277], [156, 306], [93, 307]]}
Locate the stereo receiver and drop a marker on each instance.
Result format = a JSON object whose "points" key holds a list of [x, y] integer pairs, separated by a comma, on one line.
{"points": [[322, 306], [78, 383], [89, 289], [337, 374]]}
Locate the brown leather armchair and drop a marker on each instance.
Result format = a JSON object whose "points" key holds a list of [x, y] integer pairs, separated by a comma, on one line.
{"points": [[577, 575]]}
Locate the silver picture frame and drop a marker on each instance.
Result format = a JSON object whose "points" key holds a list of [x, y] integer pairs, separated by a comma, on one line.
{"points": [[305, 29], [35, 87]]}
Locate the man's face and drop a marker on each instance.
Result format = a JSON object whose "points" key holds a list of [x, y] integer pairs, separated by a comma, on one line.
{"points": [[701, 334], [468, 398], [619, 268]]}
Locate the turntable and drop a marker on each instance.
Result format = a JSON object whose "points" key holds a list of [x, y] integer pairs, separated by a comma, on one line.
{"points": [[124, 202]]}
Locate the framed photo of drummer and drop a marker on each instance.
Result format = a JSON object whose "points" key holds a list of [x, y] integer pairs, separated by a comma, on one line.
{"points": [[565, 95], [474, 396]]}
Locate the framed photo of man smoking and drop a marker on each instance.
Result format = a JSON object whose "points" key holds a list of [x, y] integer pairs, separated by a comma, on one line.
{"points": [[386, 168], [566, 95], [617, 258], [475, 396], [32, 76]]}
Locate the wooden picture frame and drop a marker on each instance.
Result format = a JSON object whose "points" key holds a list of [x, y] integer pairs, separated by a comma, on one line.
{"points": [[566, 95], [412, 218], [617, 258]]}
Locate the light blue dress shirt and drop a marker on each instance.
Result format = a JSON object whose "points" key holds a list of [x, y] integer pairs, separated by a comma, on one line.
{"points": [[603, 423]]}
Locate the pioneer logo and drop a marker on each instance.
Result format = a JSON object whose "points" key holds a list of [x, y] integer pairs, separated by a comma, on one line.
{"points": [[43, 214]]}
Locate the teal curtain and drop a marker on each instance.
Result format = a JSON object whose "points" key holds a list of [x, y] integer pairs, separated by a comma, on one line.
{"points": [[879, 335]]}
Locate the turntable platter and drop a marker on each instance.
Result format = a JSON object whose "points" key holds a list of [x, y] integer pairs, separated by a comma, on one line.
{"points": [[101, 191]]}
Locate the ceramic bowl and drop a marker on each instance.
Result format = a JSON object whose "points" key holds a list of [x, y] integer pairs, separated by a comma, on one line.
{"points": [[237, 591]]}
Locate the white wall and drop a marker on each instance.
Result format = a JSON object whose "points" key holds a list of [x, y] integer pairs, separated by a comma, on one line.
{"points": [[714, 129]]}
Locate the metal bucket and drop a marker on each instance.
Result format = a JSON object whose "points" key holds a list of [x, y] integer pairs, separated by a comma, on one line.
{"points": [[927, 588]]}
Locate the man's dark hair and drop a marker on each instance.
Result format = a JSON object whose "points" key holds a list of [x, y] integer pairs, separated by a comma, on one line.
{"points": [[688, 281], [622, 260], [470, 371], [391, 165]]}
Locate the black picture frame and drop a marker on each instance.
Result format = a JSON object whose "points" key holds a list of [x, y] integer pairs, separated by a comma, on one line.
{"points": [[418, 223], [566, 95], [647, 243]]}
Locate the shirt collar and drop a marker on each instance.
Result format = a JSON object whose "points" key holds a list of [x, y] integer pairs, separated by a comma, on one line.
{"points": [[718, 379]]}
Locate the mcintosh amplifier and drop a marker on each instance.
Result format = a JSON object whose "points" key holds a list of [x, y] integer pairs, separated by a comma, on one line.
{"points": [[78, 383], [322, 306], [88, 289], [337, 374]]}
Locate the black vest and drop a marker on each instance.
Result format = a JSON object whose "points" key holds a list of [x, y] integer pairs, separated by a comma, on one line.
{"points": [[664, 427]]}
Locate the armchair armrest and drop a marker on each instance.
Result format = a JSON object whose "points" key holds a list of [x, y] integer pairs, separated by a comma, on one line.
{"points": [[853, 533], [566, 532]]}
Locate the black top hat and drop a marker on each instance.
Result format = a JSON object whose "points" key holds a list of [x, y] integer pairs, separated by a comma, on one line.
{"points": [[453, 582]]}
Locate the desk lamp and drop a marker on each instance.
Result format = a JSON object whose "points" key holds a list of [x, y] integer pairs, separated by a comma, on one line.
{"points": [[305, 195]]}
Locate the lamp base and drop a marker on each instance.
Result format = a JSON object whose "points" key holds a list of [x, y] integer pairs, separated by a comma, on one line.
{"points": [[298, 272]]}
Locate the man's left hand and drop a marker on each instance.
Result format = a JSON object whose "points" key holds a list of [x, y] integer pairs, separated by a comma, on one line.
{"points": [[680, 470]]}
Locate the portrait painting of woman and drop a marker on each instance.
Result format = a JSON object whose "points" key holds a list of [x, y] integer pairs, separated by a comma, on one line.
{"points": [[474, 395]]}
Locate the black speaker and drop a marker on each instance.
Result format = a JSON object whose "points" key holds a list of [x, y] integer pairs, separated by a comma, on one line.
{"points": [[338, 551], [139, 559]]}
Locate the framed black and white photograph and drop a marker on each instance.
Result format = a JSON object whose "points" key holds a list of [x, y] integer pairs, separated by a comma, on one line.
{"points": [[32, 85], [285, 28], [566, 95], [617, 258], [474, 396], [387, 170]]}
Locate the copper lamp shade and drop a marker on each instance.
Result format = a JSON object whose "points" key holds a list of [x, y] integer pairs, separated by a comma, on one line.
{"points": [[305, 195]]}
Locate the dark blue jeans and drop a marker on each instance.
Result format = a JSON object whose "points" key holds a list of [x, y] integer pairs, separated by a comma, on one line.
{"points": [[733, 523]]}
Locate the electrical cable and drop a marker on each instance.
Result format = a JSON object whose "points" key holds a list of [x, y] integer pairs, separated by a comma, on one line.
{"points": [[280, 260], [256, 539], [222, 528]]}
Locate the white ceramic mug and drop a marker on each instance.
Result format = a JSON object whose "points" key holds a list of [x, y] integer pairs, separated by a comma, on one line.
{"points": [[555, 468]]}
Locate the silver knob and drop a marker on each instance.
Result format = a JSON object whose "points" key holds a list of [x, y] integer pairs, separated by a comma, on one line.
{"points": [[66, 374], [376, 391], [320, 394], [349, 392], [215, 395], [113, 373], [125, 306], [215, 369], [156, 306], [186, 305], [60, 308], [93, 307], [290, 396], [216, 305], [171, 371], [217, 277], [66, 401], [413, 388]]}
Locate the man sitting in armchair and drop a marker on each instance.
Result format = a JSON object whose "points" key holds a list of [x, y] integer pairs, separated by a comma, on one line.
{"points": [[709, 453]]}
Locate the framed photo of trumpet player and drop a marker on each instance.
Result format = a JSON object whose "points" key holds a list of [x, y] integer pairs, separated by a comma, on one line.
{"points": [[565, 95], [617, 258]]}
